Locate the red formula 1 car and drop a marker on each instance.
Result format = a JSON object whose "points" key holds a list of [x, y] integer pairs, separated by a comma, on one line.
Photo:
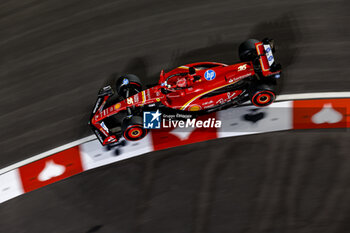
{"points": [[197, 88]]}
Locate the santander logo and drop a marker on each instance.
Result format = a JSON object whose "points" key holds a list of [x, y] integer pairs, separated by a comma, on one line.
{"points": [[235, 79]]}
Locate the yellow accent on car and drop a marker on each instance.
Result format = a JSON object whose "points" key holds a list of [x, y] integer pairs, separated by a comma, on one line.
{"points": [[143, 97], [195, 108]]}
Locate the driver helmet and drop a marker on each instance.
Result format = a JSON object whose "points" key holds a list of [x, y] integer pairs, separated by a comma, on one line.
{"points": [[182, 82]]}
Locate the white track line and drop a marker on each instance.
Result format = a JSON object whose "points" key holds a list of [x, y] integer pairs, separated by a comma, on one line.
{"points": [[318, 95]]}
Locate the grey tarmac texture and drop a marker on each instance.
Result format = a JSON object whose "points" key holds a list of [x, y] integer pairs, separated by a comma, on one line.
{"points": [[272, 182]]}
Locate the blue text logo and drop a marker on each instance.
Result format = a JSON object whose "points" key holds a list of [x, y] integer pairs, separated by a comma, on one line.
{"points": [[151, 120], [209, 75]]}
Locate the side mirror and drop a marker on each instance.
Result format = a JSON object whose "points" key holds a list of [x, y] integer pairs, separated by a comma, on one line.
{"points": [[191, 71]]}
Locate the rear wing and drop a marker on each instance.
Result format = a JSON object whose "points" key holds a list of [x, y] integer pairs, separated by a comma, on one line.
{"points": [[265, 50]]}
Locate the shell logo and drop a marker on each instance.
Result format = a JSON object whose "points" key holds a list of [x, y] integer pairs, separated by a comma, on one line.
{"points": [[117, 106], [194, 108]]}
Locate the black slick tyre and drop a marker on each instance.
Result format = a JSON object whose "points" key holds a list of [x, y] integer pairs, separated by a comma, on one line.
{"points": [[133, 128], [262, 95], [128, 85], [246, 50]]}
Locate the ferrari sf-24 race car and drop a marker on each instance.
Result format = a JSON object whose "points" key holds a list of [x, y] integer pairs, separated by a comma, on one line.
{"points": [[197, 88]]}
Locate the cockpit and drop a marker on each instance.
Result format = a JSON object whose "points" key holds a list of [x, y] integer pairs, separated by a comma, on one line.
{"points": [[181, 81]]}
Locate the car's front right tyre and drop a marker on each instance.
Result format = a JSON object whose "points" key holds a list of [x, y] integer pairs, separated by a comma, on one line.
{"points": [[128, 85]]}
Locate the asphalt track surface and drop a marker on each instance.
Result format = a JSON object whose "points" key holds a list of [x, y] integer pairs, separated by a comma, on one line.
{"points": [[55, 55], [262, 183]]}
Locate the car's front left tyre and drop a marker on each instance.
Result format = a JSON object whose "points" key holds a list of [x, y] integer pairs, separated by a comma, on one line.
{"points": [[133, 128]]}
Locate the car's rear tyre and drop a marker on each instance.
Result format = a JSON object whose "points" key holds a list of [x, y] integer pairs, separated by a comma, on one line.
{"points": [[128, 85], [133, 128], [247, 51], [262, 95]]}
